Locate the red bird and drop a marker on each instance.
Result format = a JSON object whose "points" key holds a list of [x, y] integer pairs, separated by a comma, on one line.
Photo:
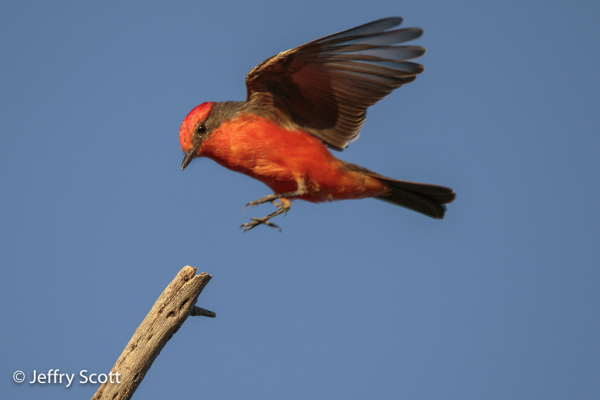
{"points": [[300, 103]]}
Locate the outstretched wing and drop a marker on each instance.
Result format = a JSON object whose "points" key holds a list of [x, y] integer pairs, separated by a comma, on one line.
{"points": [[326, 86]]}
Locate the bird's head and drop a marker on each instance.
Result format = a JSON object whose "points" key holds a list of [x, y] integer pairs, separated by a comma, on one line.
{"points": [[193, 131]]}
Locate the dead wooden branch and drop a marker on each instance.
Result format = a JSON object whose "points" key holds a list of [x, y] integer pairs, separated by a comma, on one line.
{"points": [[172, 308]]}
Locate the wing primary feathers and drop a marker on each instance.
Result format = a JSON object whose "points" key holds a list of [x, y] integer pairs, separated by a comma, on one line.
{"points": [[325, 86], [372, 27], [376, 39]]}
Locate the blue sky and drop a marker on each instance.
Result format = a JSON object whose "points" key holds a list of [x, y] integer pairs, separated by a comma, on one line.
{"points": [[355, 299]]}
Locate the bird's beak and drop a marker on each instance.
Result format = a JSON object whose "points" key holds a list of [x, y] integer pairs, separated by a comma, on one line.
{"points": [[188, 157]]}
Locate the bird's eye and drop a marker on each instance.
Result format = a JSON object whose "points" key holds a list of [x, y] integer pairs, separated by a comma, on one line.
{"points": [[202, 129]]}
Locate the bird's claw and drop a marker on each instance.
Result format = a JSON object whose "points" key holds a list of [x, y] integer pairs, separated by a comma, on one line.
{"points": [[251, 204], [272, 198], [259, 221], [282, 208]]}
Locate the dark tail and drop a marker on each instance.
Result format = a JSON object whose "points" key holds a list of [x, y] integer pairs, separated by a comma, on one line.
{"points": [[420, 197]]}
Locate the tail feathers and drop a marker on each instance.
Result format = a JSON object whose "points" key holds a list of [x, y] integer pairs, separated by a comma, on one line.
{"points": [[420, 197]]}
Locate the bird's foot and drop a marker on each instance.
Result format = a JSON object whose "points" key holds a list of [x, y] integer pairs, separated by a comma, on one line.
{"points": [[271, 198], [301, 191], [259, 221], [282, 208], [284, 205]]}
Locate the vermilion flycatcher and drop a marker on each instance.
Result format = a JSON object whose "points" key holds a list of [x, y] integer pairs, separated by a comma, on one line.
{"points": [[300, 103]]}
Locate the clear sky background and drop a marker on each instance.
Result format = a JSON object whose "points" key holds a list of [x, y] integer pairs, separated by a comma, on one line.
{"points": [[355, 299]]}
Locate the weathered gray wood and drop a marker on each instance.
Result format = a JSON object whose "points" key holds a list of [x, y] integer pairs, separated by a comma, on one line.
{"points": [[172, 308]]}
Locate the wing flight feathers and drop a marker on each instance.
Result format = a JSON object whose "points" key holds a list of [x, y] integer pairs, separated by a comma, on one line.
{"points": [[325, 86]]}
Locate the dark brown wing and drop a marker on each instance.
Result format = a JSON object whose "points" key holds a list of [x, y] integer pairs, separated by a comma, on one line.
{"points": [[325, 86]]}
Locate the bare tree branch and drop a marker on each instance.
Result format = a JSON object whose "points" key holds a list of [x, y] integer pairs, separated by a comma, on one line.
{"points": [[172, 308]]}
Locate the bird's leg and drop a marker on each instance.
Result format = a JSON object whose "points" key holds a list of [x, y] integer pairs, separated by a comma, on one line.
{"points": [[282, 208], [300, 191]]}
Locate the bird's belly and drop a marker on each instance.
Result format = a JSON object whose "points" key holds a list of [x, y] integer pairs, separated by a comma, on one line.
{"points": [[282, 158]]}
